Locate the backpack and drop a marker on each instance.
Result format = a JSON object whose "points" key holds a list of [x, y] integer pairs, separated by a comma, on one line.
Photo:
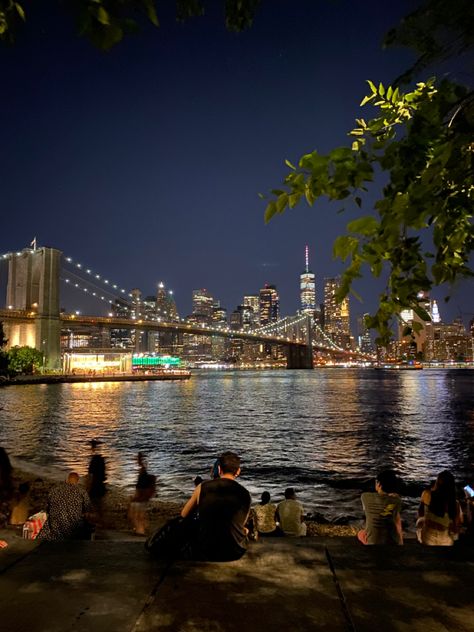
{"points": [[174, 540]]}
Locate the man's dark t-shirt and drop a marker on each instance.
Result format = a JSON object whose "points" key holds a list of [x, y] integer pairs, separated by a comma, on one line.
{"points": [[223, 510]]}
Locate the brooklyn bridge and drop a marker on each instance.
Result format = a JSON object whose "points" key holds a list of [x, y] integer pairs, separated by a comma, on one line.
{"points": [[32, 314]]}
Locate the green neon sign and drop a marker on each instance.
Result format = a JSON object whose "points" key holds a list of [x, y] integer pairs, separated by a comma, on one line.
{"points": [[150, 361]]}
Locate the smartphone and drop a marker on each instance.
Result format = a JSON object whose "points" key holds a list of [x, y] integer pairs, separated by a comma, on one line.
{"points": [[468, 489]]}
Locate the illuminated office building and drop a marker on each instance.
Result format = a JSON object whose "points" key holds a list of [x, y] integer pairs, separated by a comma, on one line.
{"points": [[307, 288], [408, 317], [336, 315], [269, 305], [203, 305], [252, 302], [219, 316], [165, 304], [447, 343], [364, 338]]}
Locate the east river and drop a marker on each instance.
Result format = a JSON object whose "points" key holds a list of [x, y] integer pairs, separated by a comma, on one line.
{"points": [[319, 431]]}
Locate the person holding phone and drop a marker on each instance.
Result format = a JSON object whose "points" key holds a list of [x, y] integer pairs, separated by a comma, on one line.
{"points": [[469, 511], [441, 513]]}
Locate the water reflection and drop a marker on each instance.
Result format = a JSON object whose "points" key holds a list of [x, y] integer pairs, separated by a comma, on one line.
{"points": [[306, 429]]}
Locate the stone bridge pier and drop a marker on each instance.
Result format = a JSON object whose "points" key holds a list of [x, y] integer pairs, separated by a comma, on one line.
{"points": [[301, 356], [33, 285]]}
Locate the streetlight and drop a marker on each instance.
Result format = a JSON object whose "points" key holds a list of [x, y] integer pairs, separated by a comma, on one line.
{"points": [[43, 343]]}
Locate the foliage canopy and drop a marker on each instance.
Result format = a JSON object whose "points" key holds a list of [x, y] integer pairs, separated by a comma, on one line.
{"points": [[420, 233], [24, 359], [106, 22], [422, 228]]}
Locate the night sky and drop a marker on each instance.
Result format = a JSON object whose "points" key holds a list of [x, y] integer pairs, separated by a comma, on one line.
{"points": [[145, 163]]}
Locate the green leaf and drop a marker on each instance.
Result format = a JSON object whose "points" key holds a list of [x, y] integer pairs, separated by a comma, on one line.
{"points": [[293, 199], [20, 10], [372, 87], [422, 313], [270, 211], [151, 11], [344, 246], [102, 16], [341, 153], [367, 225], [291, 166], [282, 202], [309, 196], [366, 99]]}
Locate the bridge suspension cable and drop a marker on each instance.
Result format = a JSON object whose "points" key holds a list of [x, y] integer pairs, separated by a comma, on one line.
{"points": [[96, 276]]}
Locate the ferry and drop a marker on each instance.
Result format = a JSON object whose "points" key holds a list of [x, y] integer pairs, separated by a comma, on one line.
{"points": [[411, 365]]}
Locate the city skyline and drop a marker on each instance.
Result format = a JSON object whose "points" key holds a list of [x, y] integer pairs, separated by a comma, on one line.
{"points": [[146, 162], [76, 298]]}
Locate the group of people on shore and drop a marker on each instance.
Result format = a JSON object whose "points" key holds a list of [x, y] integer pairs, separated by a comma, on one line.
{"points": [[72, 508], [218, 520]]}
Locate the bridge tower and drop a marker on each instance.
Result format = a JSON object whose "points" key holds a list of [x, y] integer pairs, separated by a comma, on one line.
{"points": [[301, 357], [33, 285]]}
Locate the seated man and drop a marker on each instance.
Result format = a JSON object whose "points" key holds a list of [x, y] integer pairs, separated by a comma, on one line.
{"points": [[383, 524], [290, 515], [223, 507], [67, 505]]}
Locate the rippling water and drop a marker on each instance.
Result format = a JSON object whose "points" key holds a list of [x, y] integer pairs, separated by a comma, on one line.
{"points": [[319, 431]]}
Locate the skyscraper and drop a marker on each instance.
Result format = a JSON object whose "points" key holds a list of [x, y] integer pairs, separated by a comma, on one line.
{"points": [[336, 315], [165, 304], [269, 305], [203, 304], [307, 288], [252, 302]]}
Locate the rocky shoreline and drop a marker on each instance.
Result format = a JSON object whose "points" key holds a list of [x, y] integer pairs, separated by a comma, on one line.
{"points": [[115, 524]]}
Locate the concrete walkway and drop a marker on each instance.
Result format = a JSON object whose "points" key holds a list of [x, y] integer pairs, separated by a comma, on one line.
{"points": [[281, 584]]}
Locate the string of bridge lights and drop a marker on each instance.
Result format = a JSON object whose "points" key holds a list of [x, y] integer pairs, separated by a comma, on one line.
{"points": [[329, 340], [93, 274], [271, 328], [98, 295], [289, 321]]}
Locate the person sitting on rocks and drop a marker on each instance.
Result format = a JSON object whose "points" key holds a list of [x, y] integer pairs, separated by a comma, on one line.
{"points": [[290, 515], [223, 505], [20, 505], [68, 506], [6, 486], [145, 490], [383, 524], [264, 516], [441, 515], [96, 475]]}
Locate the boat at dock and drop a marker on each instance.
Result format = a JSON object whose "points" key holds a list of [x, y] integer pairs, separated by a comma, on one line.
{"points": [[63, 378], [399, 366]]}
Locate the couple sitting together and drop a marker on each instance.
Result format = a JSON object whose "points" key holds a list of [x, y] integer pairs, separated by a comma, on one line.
{"points": [[440, 514], [286, 518]]}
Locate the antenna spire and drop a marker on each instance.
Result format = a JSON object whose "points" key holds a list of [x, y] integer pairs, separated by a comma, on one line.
{"points": [[306, 257]]}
